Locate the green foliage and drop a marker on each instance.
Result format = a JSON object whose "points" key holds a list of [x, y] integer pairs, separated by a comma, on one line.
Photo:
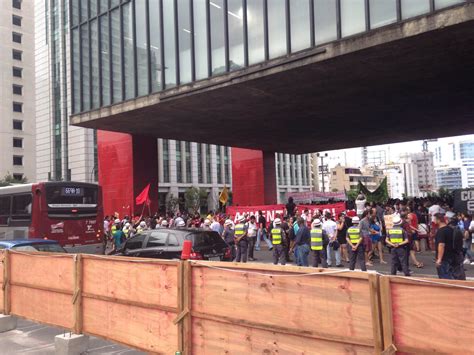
{"points": [[172, 204], [379, 195], [352, 195], [8, 180], [194, 198]]}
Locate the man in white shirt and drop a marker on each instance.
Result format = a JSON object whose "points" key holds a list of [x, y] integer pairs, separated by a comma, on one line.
{"points": [[252, 228], [330, 227], [360, 204]]}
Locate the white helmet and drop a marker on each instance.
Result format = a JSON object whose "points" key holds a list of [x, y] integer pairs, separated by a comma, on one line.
{"points": [[316, 222], [143, 224], [180, 223], [228, 222], [396, 220], [164, 223], [241, 218], [207, 222], [277, 221], [355, 220], [127, 224], [117, 221]]}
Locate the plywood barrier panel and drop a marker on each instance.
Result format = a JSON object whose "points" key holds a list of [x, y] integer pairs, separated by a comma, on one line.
{"points": [[150, 283], [44, 271], [432, 319], [42, 306], [325, 306], [2, 259], [146, 329], [213, 337]]}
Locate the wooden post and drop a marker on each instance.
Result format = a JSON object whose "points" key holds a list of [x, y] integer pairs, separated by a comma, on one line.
{"points": [[187, 326], [376, 313], [77, 296], [180, 307], [386, 307], [6, 282]]}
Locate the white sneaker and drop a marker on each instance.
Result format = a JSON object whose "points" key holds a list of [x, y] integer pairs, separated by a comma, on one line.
{"points": [[472, 263], [466, 261]]}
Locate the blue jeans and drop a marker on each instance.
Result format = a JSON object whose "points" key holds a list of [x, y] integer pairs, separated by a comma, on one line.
{"points": [[263, 234], [301, 255], [337, 252], [445, 271]]}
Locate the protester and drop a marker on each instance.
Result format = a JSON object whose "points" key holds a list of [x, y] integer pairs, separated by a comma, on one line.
{"points": [[262, 232], [252, 236], [228, 236], [330, 227], [343, 223], [302, 241], [364, 227]]}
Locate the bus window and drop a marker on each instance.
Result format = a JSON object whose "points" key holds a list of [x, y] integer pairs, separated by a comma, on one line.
{"points": [[21, 207], [69, 195], [4, 210]]}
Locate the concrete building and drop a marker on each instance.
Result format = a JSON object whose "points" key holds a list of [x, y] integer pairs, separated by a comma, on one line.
{"points": [[17, 90], [395, 181], [448, 177], [418, 170], [242, 74], [345, 178]]}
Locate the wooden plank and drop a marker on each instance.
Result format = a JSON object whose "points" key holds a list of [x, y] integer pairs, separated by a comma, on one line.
{"points": [[77, 298], [146, 329], [2, 277], [213, 337], [386, 309], [130, 303], [263, 268], [42, 270], [6, 287], [340, 305], [180, 307], [146, 283], [187, 304], [446, 314], [130, 259], [375, 310], [42, 306]]}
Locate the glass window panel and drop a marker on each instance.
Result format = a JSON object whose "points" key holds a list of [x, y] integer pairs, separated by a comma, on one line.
{"points": [[95, 63], [76, 70], [300, 25], [142, 45], [445, 3], [276, 28], [412, 8], [217, 37], [128, 57], [155, 45], [200, 39], [256, 31], [84, 10], [116, 74], [352, 17], [104, 5], [104, 53], [236, 34], [93, 7], [114, 3], [170, 43], [85, 77], [184, 34], [179, 166], [382, 12], [325, 21]]}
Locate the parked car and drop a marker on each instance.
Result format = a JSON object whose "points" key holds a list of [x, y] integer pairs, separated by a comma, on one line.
{"points": [[168, 244], [32, 245]]}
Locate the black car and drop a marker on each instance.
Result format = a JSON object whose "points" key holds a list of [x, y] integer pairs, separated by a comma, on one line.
{"points": [[168, 244]]}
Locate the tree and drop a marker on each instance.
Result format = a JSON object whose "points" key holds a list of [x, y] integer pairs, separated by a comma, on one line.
{"points": [[352, 194], [192, 200], [8, 180], [172, 204]]}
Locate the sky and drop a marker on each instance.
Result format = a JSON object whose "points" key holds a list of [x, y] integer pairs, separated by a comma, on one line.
{"points": [[353, 157]]}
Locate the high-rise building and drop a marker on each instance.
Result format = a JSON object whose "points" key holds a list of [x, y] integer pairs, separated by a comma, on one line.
{"points": [[17, 91], [448, 177], [345, 178], [418, 172]]}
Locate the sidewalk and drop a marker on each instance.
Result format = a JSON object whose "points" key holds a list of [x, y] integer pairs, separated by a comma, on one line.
{"points": [[33, 338]]}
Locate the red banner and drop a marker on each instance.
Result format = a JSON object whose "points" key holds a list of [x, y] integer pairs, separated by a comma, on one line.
{"points": [[269, 211]]}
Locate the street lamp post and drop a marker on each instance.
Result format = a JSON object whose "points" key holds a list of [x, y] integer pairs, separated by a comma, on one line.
{"points": [[323, 172]]}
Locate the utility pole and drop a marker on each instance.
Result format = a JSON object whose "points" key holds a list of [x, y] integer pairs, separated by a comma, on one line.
{"points": [[323, 169]]}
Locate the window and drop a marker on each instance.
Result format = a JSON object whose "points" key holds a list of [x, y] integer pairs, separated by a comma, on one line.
{"points": [[217, 36], [18, 142], [16, 20], [256, 31], [18, 177], [184, 36], [300, 25], [16, 4], [179, 167], [21, 207], [17, 89], [18, 125], [17, 72], [414, 8], [352, 17], [188, 162], [157, 239], [173, 241], [166, 161], [18, 160], [169, 43], [135, 242], [236, 34], [325, 23], [200, 39], [16, 37], [16, 54], [17, 107], [277, 28], [5, 204], [142, 47], [155, 46], [104, 46], [128, 56], [382, 12]]}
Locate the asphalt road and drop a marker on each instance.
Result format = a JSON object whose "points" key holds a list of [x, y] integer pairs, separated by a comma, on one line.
{"points": [[33, 338]]}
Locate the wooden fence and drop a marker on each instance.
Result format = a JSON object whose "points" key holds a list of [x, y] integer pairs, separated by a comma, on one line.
{"points": [[208, 307]]}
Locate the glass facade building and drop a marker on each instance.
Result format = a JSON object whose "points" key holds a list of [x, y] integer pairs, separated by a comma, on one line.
{"points": [[123, 49]]}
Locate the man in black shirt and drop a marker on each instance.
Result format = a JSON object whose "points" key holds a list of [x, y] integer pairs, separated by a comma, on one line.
{"points": [[290, 207], [262, 232], [448, 245]]}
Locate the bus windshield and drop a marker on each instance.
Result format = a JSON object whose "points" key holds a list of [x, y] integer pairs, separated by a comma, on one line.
{"points": [[71, 196]]}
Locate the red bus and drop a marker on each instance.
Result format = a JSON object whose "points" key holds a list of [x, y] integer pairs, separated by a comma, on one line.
{"points": [[69, 212]]}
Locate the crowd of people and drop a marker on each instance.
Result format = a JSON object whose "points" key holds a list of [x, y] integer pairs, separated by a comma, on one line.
{"points": [[360, 235]]}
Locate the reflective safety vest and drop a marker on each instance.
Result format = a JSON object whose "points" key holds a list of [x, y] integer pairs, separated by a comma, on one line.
{"points": [[395, 235], [276, 236], [316, 239], [239, 230], [354, 234], [126, 231]]}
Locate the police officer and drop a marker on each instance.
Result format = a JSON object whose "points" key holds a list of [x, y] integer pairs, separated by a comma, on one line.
{"points": [[319, 241], [397, 239], [241, 242], [228, 236], [355, 245], [279, 242]]}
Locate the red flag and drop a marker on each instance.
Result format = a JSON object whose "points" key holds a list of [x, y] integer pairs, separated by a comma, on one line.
{"points": [[143, 197]]}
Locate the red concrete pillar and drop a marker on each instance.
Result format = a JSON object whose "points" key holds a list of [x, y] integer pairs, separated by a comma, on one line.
{"points": [[127, 164], [253, 177]]}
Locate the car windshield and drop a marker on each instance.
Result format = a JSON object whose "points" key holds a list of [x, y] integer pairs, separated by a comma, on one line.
{"points": [[204, 238], [52, 248]]}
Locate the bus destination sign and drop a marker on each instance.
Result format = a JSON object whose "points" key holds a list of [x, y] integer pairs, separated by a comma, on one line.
{"points": [[72, 191]]}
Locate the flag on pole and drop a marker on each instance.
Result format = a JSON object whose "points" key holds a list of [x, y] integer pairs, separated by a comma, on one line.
{"points": [[224, 195], [143, 198]]}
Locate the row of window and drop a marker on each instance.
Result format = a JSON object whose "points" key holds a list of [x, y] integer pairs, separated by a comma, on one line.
{"points": [[16, 4], [16, 207], [296, 172]]}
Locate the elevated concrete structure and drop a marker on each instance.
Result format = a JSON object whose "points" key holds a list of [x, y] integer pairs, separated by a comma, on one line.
{"points": [[402, 82]]}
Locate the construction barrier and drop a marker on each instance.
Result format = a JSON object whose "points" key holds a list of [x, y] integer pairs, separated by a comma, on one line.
{"points": [[199, 307]]}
